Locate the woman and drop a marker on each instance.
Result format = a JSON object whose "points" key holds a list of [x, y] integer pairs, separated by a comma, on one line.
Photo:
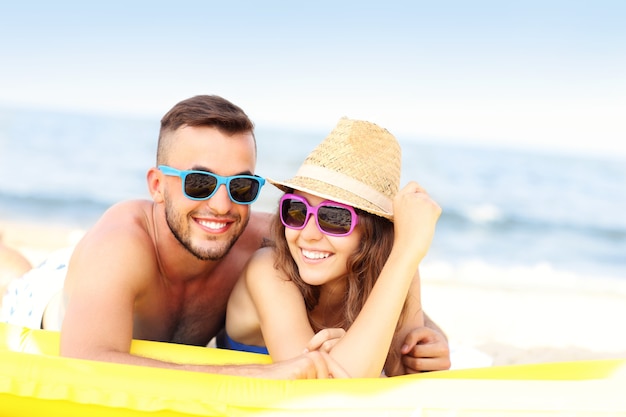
{"points": [[347, 246]]}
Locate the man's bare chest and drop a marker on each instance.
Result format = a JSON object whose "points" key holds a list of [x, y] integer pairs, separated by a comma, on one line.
{"points": [[190, 314]]}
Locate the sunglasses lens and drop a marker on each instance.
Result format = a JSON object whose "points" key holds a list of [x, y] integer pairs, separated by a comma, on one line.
{"points": [[200, 185], [334, 220], [293, 213], [244, 190]]}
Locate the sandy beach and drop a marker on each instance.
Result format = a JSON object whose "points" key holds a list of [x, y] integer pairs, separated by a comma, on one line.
{"points": [[518, 324], [528, 324]]}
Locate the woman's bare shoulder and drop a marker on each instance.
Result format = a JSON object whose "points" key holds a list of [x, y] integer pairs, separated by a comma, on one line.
{"points": [[262, 258]]}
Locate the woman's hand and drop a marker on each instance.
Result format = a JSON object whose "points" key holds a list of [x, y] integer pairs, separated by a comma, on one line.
{"points": [[325, 339], [415, 217]]}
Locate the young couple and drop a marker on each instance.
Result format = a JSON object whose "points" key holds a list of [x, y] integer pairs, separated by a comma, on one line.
{"points": [[165, 269]]}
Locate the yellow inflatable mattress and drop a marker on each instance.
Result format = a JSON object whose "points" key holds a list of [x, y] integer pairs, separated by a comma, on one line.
{"points": [[36, 381]]}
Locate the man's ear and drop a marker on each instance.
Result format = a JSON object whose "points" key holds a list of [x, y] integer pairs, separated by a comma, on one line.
{"points": [[155, 184]]}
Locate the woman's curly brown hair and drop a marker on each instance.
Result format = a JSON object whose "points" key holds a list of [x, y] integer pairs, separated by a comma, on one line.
{"points": [[364, 266]]}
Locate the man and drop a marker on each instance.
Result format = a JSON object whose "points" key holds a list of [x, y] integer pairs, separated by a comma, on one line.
{"points": [[163, 269]]}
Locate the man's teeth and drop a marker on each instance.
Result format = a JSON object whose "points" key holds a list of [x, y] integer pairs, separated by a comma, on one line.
{"points": [[315, 255], [212, 225]]}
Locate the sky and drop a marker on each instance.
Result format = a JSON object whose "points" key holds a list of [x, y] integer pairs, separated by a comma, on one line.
{"points": [[531, 74]]}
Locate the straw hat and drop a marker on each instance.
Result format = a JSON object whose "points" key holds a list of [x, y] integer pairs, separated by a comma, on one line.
{"points": [[357, 164]]}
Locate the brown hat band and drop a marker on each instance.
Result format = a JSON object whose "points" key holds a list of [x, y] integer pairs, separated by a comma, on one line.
{"points": [[347, 183]]}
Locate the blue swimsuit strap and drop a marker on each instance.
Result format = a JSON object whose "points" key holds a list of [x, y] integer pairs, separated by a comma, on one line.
{"points": [[229, 343]]}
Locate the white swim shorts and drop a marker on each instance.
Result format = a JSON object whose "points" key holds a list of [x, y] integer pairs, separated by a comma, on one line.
{"points": [[27, 297]]}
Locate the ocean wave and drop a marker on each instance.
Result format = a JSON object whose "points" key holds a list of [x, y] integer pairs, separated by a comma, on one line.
{"points": [[491, 217], [76, 211], [517, 212], [538, 276]]}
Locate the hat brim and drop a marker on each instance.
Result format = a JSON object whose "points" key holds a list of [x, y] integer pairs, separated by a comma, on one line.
{"points": [[330, 192]]}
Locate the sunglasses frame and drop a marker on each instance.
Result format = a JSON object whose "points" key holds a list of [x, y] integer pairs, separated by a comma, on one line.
{"points": [[313, 211], [182, 174]]}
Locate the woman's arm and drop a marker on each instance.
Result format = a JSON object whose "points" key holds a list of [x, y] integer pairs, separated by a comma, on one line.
{"points": [[364, 348], [413, 317]]}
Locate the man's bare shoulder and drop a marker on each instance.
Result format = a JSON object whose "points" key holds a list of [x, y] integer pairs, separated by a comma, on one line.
{"points": [[131, 211], [122, 238], [129, 220]]}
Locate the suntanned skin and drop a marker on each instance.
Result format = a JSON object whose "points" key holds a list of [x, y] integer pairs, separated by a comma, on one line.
{"points": [[130, 277], [172, 290], [285, 327], [163, 269]]}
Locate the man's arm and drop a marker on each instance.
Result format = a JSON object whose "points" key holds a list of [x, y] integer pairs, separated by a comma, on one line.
{"points": [[108, 276]]}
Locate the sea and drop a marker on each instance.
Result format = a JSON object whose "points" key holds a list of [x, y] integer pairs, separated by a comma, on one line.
{"points": [[511, 217]]}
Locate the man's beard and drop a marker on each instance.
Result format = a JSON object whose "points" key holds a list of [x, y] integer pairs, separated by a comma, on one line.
{"points": [[216, 252]]}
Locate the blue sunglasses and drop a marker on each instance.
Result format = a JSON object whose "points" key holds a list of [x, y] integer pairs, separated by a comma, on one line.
{"points": [[202, 185]]}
